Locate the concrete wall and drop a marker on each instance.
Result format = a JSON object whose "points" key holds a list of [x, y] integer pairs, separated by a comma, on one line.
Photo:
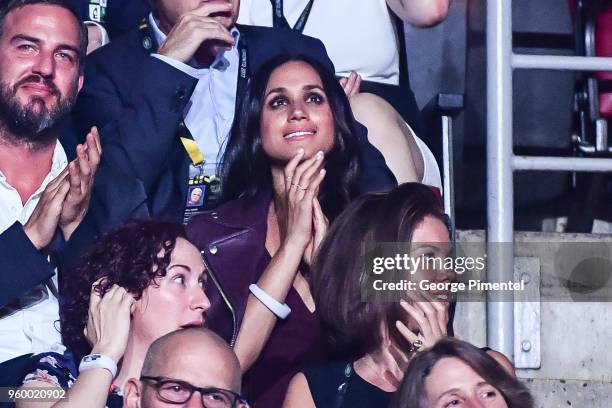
{"points": [[575, 336]]}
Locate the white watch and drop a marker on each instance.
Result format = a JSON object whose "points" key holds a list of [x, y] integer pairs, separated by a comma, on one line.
{"points": [[92, 361]]}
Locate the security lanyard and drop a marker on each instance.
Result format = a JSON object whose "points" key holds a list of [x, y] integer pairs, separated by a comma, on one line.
{"points": [[279, 20], [204, 192], [191, 147]]}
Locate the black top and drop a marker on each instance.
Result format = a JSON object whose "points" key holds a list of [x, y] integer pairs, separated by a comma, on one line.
{"points": [[114, 401], [337, 385]]}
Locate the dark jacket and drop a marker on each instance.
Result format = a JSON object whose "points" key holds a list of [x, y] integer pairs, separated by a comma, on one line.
{"points": [[232, 238], [22, 265], [139, 101]]}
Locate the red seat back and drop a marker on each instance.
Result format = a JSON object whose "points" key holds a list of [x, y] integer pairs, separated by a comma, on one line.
{"points": [[603, 48]]}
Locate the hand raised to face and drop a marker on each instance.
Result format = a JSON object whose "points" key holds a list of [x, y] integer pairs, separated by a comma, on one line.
{"points": [[195, 28], [108, 322], [431, 317], [302, 182]]}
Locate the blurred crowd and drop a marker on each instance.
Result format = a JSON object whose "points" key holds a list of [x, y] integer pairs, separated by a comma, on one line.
{"points": [[188, 190]]}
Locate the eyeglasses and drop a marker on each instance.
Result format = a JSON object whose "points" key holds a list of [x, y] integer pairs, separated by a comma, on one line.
{"points": [[179, 392]]}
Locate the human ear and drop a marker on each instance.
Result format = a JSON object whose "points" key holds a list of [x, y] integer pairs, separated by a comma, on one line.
{"points": [[132, 394]]}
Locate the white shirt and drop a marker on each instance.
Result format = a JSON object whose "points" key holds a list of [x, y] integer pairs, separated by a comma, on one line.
{"points": [[33, 329], [358, 35], [210, 111]]}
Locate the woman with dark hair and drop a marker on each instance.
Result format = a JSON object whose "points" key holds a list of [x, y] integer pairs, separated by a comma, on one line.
{"points": [[456, 373], [292, 163], [372, 335], [250, 161], [139, 283]]}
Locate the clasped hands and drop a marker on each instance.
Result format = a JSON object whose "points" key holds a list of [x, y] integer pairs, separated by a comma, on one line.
{"points": [[306, 224]]}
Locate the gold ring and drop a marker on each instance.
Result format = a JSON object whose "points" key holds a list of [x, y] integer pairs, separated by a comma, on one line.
{"points": [[416, 345]]}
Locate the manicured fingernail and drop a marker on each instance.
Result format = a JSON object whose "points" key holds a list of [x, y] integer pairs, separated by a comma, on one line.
{"points": [[319, 155], [301, 150]]}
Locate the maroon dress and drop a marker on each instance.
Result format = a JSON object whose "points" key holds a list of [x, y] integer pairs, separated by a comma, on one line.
{"points": [[233, 240], [294, 344]]}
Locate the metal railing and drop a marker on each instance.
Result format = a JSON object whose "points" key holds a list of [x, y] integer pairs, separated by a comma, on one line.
{"points": [[501, 162]]}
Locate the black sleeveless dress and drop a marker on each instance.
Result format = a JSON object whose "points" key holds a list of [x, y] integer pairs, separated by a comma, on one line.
{"points": [[336, 385]]}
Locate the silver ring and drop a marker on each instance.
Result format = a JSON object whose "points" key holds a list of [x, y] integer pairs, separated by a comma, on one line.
{"points": [[417, 345], [298, 186]]}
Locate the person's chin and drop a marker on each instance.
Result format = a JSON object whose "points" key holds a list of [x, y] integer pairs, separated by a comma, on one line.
{"points": [[281, 158], [309, 151], [41, 103], [35, 99], [288, 152]]}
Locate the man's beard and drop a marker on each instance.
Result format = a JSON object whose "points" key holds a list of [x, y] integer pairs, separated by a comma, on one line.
{"points": [[31, 122]]}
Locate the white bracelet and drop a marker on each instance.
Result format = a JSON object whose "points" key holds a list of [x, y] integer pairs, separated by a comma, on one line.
{"points": [[281, 310], [98, 361]]}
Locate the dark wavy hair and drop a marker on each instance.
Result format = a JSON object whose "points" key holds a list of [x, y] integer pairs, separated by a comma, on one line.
{"points": [[127, 257], [351, 326], [413, 394], [246, 167]]}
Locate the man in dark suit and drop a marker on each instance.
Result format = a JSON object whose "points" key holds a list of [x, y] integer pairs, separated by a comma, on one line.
{"points": [[179, 75]]}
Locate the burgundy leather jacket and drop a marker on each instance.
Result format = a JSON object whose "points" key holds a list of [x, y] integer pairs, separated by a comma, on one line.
{"points": [[231, 238]]}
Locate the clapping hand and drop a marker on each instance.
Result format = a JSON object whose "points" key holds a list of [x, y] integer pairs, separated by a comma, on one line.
{"points": [[42, 224], [320, 226], [81, 172], [65, 200]]}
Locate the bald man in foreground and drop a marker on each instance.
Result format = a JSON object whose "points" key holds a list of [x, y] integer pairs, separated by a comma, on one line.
{"points": [[188, 368]]}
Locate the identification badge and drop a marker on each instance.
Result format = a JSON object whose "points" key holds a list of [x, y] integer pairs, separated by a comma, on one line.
{"points": [[203, 193]]}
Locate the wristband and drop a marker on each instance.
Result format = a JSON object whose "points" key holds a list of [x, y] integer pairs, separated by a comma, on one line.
{"points": [[98, 361], [281, 310]]}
